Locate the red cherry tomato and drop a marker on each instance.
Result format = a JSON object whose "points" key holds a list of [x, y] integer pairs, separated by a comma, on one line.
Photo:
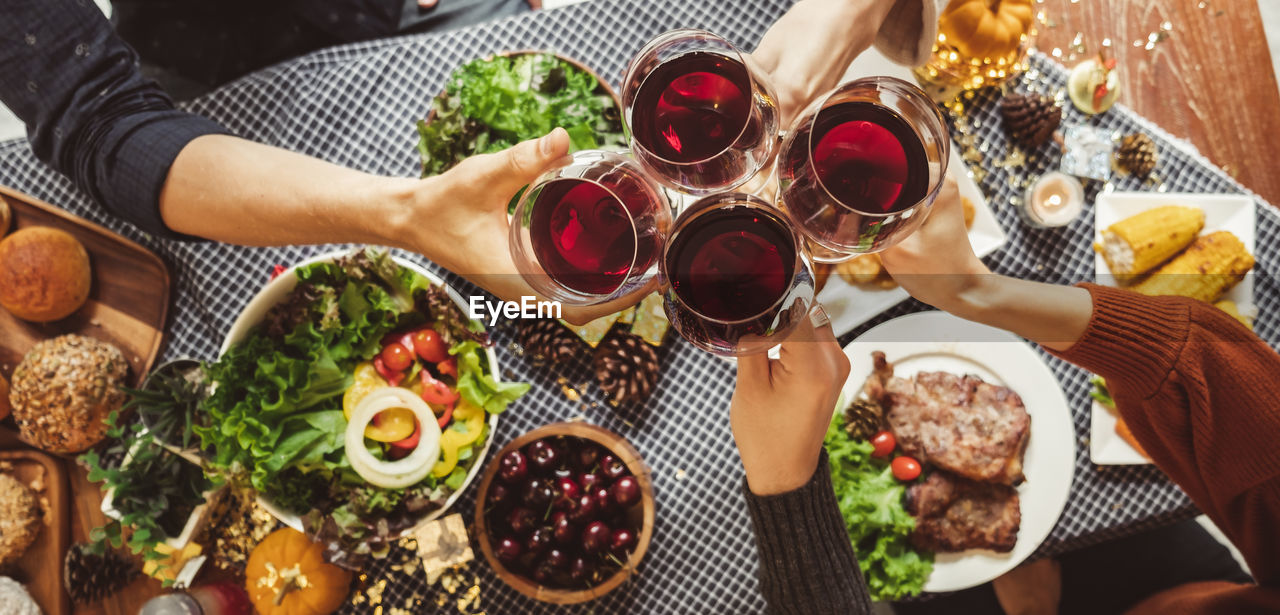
{"points": [[906, 468], [429, 346], [884, 444], [396, 357]]}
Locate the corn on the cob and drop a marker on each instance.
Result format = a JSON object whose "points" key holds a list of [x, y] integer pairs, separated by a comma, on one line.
{"points": [[1138, 243], [1233, 310], [1206, 270]]}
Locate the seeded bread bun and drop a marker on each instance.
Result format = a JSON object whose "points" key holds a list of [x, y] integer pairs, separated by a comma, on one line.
{"points": [[20, 519], [44, 274], [63, 390]]}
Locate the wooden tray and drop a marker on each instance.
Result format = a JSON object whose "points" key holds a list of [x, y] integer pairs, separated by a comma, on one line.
{"points": [[40, 568], [128, 299]]}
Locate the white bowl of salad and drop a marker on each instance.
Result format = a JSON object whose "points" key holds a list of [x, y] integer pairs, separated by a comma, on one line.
{"points": [[356, 398]]}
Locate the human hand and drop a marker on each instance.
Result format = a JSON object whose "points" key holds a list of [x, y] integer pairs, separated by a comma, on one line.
{"points": [[936, 264], [806, 52], [782, 407], [463, 222]]}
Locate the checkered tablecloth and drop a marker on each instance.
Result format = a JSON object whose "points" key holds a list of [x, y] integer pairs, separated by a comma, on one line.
{"points": [[355, 105]]}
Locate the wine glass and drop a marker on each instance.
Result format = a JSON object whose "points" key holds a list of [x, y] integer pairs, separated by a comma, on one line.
{"points": [[738, 281], [861, 167], [591, 231], [701, 118]]}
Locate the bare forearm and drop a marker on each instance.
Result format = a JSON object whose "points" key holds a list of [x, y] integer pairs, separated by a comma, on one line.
{"points": [[236, 191], [1052, 315]]}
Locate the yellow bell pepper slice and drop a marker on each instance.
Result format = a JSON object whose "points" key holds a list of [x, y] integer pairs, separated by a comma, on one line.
{"points": [[390, 425], [472, 417]]}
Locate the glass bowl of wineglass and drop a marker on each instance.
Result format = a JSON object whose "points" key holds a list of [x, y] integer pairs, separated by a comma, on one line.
{"points": [[738, 281], [701, 116], [592, 231], [861, 167]]}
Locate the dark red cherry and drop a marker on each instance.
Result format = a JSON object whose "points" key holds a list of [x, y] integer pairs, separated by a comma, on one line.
{"points": [[595, 538], [537, 493], [567, 493], [509, 550], [612, 467], [543, 456], [622, 541], [626, 491], [588, 455], [521, 520], [564, 531], [581, 570], [513, 467], [590, 480], [557, 559], [539, 541], [499, 494]]}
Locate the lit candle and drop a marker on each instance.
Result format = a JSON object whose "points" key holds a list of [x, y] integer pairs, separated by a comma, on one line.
{"points": [[1056, 199]]}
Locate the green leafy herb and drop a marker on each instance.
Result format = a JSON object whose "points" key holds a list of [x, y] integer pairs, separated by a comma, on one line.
{"points": [[870, 500], [154, 490], [491, 104], [1101, 393]]}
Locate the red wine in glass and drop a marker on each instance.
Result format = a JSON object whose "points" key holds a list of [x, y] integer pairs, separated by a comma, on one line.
{"points": [[590, 231], [692, 107], [701, 121], [735, 273], [860, 168], [583, 236], [862, 163]]}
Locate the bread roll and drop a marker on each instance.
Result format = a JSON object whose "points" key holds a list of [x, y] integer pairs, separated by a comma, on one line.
{"points": [[64, 388], [44, 274], [5, 408]]}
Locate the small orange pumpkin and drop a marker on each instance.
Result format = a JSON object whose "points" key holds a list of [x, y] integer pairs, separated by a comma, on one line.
{"points": [[986, 28], [287, 575]]}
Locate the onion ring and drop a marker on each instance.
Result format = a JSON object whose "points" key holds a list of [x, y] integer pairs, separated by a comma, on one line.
{"points": [[392, 474]]}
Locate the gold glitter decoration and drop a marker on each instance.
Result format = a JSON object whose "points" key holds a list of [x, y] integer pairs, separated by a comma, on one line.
{"points": [[1015, 159]]}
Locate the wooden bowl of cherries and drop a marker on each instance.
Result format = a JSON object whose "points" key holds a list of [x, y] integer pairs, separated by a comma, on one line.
{"points": [[565, 513]]}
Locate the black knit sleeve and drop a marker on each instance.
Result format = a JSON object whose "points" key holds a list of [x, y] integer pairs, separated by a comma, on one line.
{"points": [[807, 565], [89, 112]]}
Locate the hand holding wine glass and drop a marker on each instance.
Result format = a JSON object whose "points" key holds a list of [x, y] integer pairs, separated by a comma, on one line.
{"points": [[461, 218], [806, 52], [937, 264], [781, 407]]}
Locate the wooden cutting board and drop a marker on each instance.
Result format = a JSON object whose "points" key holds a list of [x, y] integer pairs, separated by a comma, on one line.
{"points": [[128, 299], [40, 568]]}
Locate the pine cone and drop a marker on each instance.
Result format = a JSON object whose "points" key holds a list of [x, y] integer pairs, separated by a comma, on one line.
{"points": [[548, 340], [1031, 118], [1137, 154], [626, 368], [862, 419], [89, 577]]}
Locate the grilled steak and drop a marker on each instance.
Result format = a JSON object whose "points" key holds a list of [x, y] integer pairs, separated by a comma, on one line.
{"points": [[958, 423], [954, 514]]}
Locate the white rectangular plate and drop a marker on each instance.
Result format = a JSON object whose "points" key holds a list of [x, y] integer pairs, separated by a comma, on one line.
{"points": [[850, 305], [1222, 212]]}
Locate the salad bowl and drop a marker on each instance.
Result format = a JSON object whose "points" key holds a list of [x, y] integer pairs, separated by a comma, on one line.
{"points": [[276, 291]]}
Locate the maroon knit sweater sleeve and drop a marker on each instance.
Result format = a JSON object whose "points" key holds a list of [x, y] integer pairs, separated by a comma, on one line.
{"points": [[1201, 393]]}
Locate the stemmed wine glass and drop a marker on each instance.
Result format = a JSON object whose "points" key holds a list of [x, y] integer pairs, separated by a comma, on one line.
{"points": [[701, 117], [737, 279], [591, 231], [861, 167]]}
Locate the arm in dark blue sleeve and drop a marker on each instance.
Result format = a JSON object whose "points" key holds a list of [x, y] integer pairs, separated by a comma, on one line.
{"points": [[89, 112], [807, 565]]}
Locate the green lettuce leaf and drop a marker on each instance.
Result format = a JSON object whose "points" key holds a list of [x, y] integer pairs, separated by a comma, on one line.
{"points": [[870, 500], [477, 385]]}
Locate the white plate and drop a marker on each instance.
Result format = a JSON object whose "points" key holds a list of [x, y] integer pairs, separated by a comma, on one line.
{"points": [[850, 305], [936, 341], [1222, 212], [275, 291]]}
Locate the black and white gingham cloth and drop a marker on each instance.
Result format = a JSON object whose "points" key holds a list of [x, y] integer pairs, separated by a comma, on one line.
{"points": [[355, 105]]}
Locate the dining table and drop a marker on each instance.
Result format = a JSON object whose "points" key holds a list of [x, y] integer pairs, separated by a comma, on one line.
{"points": [[357, 105]]}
